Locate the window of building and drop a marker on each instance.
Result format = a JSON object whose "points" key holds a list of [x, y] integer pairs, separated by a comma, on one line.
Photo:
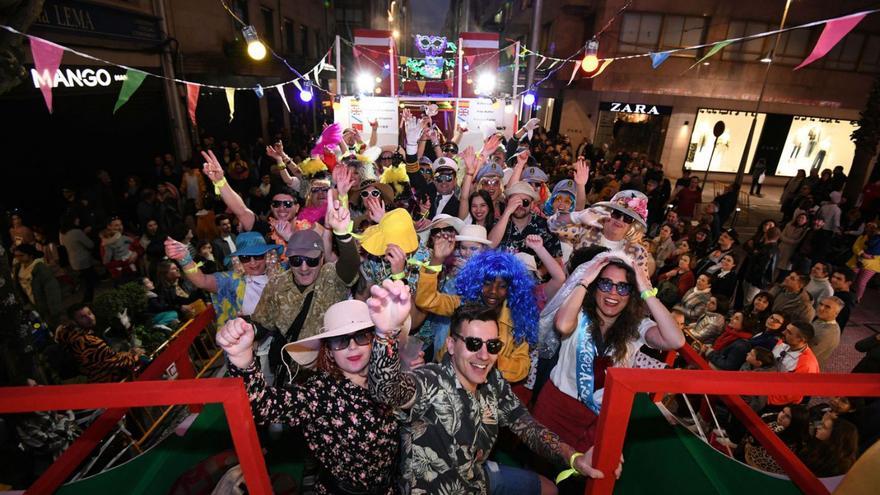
{"points": [[680, 32], [304, 40], [639, 32], [268, 33], [240, 7], [349, 11], [844, 55], [747, 51], [289, 36], [793, 46], [870, 61]]}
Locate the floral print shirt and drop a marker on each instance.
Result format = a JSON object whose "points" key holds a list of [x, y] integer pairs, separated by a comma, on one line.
{"points": [[354, 439], [449, 432]]}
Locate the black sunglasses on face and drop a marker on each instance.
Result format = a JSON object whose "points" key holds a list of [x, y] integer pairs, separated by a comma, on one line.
{"points": [[284, 203], [389, 157], [299, 260], [316, 190], [606, 284], [622, 217], [426, 171], [343, 341], [473, 344], [444, 178], [247, 258], [526, 203], [373, 192], [443, 230]]}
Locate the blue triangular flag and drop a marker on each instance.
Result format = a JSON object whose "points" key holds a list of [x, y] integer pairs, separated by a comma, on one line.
{"points": [[259, 91], [658, 58]]}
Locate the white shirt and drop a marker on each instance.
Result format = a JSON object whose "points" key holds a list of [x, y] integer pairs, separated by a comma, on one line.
{"points": [[564, 373], [253, 289], [441, 203], [790, 360], [229, 242]]}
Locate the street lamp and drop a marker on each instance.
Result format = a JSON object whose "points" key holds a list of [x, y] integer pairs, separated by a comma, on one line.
{"points": [[364, 82], [485, 84], [255, 48]]}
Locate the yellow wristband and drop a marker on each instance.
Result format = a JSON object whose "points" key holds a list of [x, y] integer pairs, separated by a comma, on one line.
{"points": [[647, 294], [219, 185], [564, 475], [192, 269], [398, 276]]}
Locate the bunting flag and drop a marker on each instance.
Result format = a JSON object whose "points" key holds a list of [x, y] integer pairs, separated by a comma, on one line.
{"points": [[832, 33], [259, 91], [552, 65], [192, 99], [421, 85], [355, 52], [658, 58], [404, 60], [230, 100], [577, 66], [297, 84], [712, 51], [470, 59], [133, 80], [47, 59], [511, 50], [605, 62], [280, 89], [543, 59]]}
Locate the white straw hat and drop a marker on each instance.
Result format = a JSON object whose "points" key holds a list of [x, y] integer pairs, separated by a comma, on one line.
{"points": [[473, 233]]}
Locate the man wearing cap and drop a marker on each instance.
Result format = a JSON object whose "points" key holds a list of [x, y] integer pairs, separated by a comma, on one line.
{"points": [[518, 222], [453, 410], [293, 301], [438, 185], [233, 293], [614, 224]]}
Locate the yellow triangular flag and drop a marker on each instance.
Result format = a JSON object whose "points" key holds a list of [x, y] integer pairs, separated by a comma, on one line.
{"points": [[230, 100], [421, 85]]}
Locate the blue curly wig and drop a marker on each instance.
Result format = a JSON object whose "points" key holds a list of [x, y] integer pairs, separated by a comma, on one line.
{"points": [[491, 264], [548, 205]]}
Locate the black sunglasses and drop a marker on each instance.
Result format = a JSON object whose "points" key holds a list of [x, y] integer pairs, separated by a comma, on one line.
{"points": [[298, 260], [285, 203], [319, 189], [374, 193], [443, 230], [246, 258], [363, 337], [623, 288], [473, 344], [622, 217], [386, 157], [526, 203], [444, 178], [426, 171]]}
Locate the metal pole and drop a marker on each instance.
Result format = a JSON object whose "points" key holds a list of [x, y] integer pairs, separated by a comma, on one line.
{"points": [[515, 70], [460, 66], [392, 66], [745, 157], [180, 137], [338, 66], [708, 165], [466, 16], [534, 39]]}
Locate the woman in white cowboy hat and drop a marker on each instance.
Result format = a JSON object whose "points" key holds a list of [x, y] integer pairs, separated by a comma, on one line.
{"points": [[354, 439]]}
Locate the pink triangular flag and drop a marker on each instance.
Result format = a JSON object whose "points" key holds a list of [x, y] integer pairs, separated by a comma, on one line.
{"points": [[192, 99], [47, 59], [470, 59], [833, 32], [280, 89]]}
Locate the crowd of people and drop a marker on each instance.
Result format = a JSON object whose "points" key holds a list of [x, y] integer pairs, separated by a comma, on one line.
{"points": [[400, 304]]}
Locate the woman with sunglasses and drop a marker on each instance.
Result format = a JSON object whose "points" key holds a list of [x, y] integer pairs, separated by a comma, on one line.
{"points": [[354, 439], [600, 316]]}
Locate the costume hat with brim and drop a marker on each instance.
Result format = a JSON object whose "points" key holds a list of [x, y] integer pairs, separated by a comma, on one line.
{"points": [[443, 220], [473, 233], [251, 244], [521, 188], [342, 318], [397, 228], [385, 191], [632, 203]]}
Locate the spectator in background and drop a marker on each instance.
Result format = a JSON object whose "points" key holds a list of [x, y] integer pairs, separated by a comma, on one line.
{"points": [[224, 244], [841, 281], [79, 254], [819, 286], [19, 232], [791, 299], [827, 330], [795, 356], [686, 200], [758, 173], [97, 360], [36, 283]]}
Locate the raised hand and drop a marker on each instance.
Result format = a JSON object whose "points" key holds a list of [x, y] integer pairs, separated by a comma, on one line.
{"points": [[236, 338], [413, 131], [469, 156], [374, 124], [534, 242], [276, 154], [175, 250], [598, 264], [522, 158], [338, 217], [396, 257], [342, 176], [532, 124], [212, 167], [282, 228], [443, 248], [389, 306], [581, 171], [491, 144], [514, 203], [375, 208]]}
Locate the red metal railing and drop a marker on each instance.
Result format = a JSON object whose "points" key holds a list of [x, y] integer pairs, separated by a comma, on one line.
{"points": [[120, 396], [621, 385], [176, 353]]}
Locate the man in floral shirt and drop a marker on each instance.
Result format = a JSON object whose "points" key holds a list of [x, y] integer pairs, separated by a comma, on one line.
{"points": [[454, 410]]}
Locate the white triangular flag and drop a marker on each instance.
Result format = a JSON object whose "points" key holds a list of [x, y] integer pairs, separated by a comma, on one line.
{"points": [[280, 89], [296, 83], [230, 100]]}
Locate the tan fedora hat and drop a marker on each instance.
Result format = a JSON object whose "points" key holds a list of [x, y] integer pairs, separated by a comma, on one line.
{"points": [[342, 318], [473, 233]]}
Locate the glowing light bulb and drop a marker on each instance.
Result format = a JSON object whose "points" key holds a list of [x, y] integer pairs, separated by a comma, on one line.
{"points": [[591, 61], [255, 48], [529, 99], [305, 93]]}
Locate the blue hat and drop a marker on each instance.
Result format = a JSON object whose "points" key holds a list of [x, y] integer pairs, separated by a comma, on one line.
{"points": [[567, 186], [534, 174], [424, 160], [251, 244], [490, 169]]}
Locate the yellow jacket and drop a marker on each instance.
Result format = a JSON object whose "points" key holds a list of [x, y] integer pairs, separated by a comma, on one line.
{"points": [[858, 248], [513, 360]]}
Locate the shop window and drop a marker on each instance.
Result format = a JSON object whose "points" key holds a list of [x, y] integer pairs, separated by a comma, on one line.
{"points": [[640, 33], [747, 51], [793, 47], [304, 40], [268, 26], [870, 61], [680, 32], [845, 55]]}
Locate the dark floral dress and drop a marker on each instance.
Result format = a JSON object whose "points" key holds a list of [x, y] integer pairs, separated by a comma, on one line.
{"points": [[354, 439]]}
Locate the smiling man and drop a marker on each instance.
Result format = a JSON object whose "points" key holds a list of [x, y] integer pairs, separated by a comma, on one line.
{"points": [[455, 409]]}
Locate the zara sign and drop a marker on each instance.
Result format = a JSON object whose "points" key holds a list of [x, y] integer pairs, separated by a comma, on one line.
{"points": [[642, 108]]}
